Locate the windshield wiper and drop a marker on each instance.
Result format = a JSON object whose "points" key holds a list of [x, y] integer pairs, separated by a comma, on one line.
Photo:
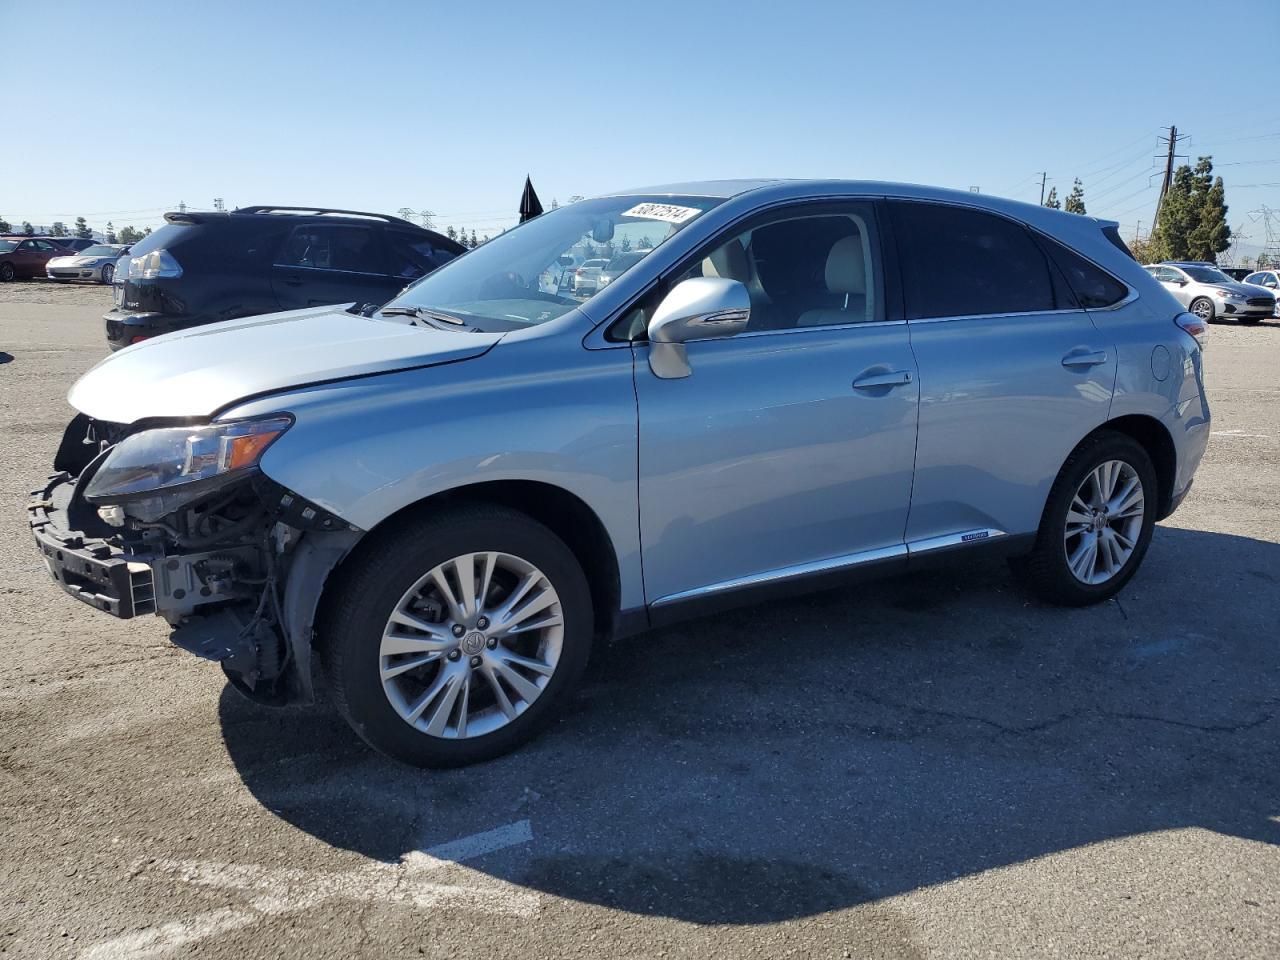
{"points": [[423, 313]]}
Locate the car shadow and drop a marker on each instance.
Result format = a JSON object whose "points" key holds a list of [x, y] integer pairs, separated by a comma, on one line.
{"points": [[802, 756]]}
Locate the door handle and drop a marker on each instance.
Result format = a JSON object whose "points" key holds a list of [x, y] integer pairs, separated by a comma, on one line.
{"points": [[1085, 359], [292, 281], [894, 378]]}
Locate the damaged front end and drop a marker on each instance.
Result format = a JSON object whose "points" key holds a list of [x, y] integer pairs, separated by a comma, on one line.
{"points": [[177, 519]]}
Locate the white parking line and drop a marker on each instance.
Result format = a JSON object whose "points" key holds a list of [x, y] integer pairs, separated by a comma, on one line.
{"points": [[283, 890]]}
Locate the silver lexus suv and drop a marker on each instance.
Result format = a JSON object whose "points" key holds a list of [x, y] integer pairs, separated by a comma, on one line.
{"points": [[1210, 294], [442, 502]]}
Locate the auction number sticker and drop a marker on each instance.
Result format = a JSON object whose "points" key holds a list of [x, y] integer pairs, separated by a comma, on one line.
{"points": [[662, 211]]}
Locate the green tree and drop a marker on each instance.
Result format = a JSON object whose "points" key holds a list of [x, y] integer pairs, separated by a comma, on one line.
{"points": [[474, 242], [1177, 217], [146, 232], [82, 229], [128, 235], [1075, 199], [59, 229], [1144, 250], [28, 229], [111, 232], [451, 233], [5, 225], [1210, 236], [1052, 199]]}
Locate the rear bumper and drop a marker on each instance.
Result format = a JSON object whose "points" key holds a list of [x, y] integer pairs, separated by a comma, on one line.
{"points": [[124, 327]]}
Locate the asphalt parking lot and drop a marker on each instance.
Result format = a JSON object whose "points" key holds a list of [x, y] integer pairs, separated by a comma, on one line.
{"points": [[935, 766]]}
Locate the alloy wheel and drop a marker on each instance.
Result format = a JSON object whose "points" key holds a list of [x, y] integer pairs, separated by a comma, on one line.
{"points": [[471, 645], [1104, 522], [1203, 309]]}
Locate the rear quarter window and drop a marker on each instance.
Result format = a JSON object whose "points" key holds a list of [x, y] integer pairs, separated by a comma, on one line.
{"points": [[1094, 287]]}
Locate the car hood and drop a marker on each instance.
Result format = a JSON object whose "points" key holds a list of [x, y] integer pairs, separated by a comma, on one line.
{"points": [[75, 260], [197, 372], [1244, 289]]}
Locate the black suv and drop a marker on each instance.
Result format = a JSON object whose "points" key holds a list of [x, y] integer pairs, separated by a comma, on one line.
{"points": [[203, 267]]}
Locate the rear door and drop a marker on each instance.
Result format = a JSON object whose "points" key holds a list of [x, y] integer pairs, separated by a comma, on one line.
{"points": [[1175, 282], [1013, 373], [323, 263]]}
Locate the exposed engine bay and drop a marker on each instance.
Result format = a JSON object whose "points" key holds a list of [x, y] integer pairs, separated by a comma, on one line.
{"points": [[234, 564]]}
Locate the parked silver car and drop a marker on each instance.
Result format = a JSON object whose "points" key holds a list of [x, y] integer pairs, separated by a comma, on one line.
{"points": [[586, 278], [96, 263], [1269, 280], [1210, 294], [444, 501]]}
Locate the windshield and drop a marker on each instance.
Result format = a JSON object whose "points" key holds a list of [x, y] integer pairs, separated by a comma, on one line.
{"points": [[7, 246], [99, 250], [1206, 275], [526, 276]]}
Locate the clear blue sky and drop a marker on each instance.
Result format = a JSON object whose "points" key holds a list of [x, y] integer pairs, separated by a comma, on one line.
{"points": [[381, 105]]}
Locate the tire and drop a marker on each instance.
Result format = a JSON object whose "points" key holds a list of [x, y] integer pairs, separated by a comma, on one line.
{"points": [[1202, 307], [392, 574], [107, 273], [7, 273], [1048, 569]]}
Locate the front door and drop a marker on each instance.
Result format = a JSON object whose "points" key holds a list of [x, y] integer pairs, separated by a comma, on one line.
{"points": [[789, 448], [1013, 372], [323, 263]]}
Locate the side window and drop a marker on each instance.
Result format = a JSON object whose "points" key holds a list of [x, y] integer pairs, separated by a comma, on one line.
{"points": [[332, 247], [27, 246], [1092, 285], [958, 262], [44, 245], [413, 255], [802, 268]]}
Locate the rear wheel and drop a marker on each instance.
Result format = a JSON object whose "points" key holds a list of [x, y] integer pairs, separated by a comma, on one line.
{"points": [[453, 640], [108, 273], [1097, 522], [1202, 307]]}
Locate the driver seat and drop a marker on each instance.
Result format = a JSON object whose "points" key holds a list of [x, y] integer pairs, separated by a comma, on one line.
{"points": [[846, 274]]}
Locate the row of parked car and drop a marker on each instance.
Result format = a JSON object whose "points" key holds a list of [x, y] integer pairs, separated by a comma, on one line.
{"points": [[23, 257], [1212, 294]]}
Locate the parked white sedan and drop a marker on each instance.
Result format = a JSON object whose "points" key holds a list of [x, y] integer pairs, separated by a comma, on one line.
{"points": [[96, 263]]}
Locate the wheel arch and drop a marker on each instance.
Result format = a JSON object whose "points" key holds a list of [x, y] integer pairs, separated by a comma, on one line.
{"points": [[564, 513], [1155, 439]]}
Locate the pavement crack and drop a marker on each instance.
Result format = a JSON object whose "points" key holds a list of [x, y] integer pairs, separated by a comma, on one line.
{"points": [[1187, 724], [1036, 727]]}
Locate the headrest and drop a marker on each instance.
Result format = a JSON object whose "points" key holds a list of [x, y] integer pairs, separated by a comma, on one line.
{"points": [[846, 266], [729, 262]]}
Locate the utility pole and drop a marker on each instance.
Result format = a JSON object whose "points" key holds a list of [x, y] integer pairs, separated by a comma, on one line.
{"points": [[218, 205], [182, 206], [1043, 178], [1173, 139]]}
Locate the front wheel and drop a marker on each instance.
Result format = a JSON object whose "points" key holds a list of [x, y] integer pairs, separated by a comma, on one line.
{"points": [[7, 273], [1097, 522], [108, 273], [454, 639], [1202, 307]]}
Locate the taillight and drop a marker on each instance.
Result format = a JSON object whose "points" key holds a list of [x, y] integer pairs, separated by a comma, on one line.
{"points": [[1194, 326], [157, 263], [578, 272], [136, 340]]}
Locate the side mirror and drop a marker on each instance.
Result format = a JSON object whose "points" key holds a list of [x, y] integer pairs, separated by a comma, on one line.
{"points": [[1180, 282], [602, 231], [702, 308]]}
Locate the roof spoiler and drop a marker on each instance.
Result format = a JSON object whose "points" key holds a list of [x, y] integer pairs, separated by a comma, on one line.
{"points": [[183, 216], [323, 211]]}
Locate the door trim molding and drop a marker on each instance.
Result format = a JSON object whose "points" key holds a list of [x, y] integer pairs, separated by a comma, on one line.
{"points": [[829, 565]]}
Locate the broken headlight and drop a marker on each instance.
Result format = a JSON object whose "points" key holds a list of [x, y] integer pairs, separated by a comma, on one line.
{"points": [[182, 460]]}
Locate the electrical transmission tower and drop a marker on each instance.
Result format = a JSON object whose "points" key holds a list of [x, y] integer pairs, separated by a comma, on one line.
{"points": [[218, 204], [428, 218], [1270, 220]]}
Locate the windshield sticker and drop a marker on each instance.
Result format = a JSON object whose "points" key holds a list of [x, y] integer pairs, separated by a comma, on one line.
{"points": [[662, 211]]}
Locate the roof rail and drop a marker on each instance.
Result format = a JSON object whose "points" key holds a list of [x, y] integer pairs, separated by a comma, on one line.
{"points": [[271, 208]]}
